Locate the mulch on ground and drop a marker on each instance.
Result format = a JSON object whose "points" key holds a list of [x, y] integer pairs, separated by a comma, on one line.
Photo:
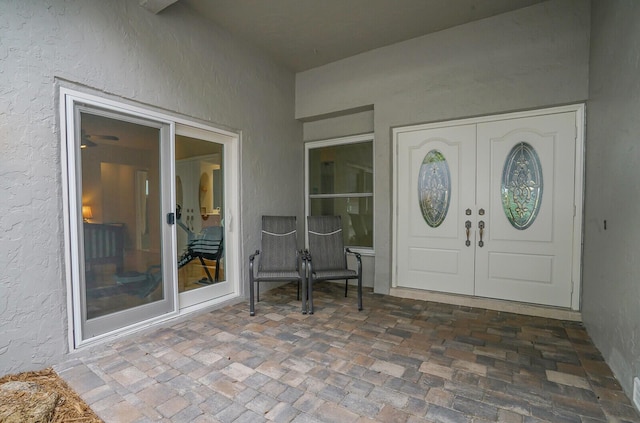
{"points": [[69, 408]]}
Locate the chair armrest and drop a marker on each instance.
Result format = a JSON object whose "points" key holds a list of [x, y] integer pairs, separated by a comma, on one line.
{"points": [[301, 260], [253, 256], [348, 250], [306, 256], [251, 259], [358, 259]]}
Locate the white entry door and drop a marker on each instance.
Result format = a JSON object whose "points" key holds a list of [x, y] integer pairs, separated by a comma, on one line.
{"points": [[437, 172], [487, 208]]}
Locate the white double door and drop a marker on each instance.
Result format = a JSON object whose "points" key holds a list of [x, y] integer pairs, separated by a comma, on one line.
{"points": [[495, 216]]}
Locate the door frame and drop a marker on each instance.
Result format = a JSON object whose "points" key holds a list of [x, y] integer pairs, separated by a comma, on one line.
{"points": [[68, 97], [579, 113]]}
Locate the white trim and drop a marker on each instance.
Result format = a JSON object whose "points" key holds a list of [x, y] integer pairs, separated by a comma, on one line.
{"points": [[352, 139], [578, 109], [66, 213], [491, 118], [488, 303], [345, 195], [578, 217], [363, 251]]}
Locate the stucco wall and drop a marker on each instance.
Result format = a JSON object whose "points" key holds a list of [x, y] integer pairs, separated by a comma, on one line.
{"points": [[611, 281], [351, 123], [173, 61], [530, 58]]}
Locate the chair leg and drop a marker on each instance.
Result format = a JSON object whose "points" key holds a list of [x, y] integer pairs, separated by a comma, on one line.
{"points": [[217, 270], [258, 291], [298, 294], [360, 291], [252, 310], [310, 309], [304, 296], [209, 279], [346, 287]]}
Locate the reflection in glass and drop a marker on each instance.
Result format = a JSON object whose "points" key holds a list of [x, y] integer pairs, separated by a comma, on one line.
{"points": [[200, 213], [120, 164], [341, 183], [434, 188], [341, 169], [357, 217], [522, 186]]}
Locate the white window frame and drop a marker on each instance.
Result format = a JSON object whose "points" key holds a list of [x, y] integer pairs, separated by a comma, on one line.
{"points": [[354, 139]]}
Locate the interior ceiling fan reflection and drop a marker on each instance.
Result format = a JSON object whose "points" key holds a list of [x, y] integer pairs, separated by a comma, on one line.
{"points": [[88, 140]]}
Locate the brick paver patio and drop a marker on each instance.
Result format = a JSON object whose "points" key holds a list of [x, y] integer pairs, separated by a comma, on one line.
{"points": [[398, 360]]}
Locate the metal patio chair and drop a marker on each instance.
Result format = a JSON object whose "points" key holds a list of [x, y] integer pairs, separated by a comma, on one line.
{"points": [[327, 257], [207, 245], [280, 259]]}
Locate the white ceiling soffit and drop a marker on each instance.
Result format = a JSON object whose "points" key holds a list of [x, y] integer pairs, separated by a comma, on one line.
{"points": [[303, 34]]}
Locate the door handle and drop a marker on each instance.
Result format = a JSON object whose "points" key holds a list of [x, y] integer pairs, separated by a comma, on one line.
{"points": [[467, 226], [481, 227]]}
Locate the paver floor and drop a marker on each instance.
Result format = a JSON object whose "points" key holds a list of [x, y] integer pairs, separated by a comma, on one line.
{"points": [[398, 360]]}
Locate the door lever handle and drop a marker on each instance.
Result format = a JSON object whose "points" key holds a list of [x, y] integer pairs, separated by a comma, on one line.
{"points": [[467, 226], [481, 227]]}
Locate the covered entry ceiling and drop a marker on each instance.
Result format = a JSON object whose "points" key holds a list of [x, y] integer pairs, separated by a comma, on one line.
{"points": [[303, 34]]}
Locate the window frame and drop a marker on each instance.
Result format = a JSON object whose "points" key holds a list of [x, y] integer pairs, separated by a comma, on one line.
{"points": [[332, 142]]}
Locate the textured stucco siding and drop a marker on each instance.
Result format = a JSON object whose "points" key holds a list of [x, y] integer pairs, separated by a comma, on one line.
{"points": [[530, 58], [173, 61], [611, 281]]}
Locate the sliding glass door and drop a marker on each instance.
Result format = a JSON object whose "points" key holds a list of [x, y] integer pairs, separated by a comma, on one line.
{"points": [[201, 232], [124, 256], [149, 201]]}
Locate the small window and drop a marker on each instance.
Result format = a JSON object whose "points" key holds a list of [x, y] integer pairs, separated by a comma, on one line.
{"points": [[340, 182]]}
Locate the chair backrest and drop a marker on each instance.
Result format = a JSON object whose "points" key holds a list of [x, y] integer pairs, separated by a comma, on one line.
{"points": [[279, 244], [326, 244], [209, 241]]}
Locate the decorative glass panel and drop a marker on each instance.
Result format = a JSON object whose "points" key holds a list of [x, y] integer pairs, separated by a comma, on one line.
{"points": [[434, 188], [522, 186]]}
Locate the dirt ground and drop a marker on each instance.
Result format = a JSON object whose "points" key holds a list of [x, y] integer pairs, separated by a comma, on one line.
{"points": [[70, 407]]}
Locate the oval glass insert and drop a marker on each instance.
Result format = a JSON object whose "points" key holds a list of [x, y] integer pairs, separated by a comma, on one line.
{"points": [[434, 188], [522, 186]]}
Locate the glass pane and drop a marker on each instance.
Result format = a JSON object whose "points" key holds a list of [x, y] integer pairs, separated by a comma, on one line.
{"points": [[357, 217], [522, 186], [341, 169], [121, 214], [200, 217], [434, 188]]}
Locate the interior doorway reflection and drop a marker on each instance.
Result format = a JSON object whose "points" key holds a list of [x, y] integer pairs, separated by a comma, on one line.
{"points": [[199, 213]]}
